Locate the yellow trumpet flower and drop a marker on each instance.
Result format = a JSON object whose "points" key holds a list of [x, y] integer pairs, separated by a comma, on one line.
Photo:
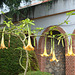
{"points": [[53, 54], [2, 43], [54, 57], [29, 47], [68, 54], [45, 51], [70, 51]]}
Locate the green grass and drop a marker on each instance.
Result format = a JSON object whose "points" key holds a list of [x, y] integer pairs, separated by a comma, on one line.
{"points": [[36, 73]]}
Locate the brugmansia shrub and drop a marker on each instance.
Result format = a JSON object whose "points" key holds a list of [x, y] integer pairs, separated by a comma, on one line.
{"points": [[9, 58]]}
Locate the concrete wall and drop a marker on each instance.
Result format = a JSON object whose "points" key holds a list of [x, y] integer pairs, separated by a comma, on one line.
{"points": [[56, 7]]}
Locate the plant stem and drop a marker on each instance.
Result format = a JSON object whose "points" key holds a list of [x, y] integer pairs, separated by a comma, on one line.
{"points": [[20, 61], [64, 20], [26, 62], [25, 69]]}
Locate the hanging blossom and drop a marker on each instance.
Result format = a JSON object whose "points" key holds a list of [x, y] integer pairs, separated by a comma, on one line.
{"points": [[51, 49], [70, 51], [68, 54], [2, 46], [29, 47], [53, 54], [54, 57], [45, 51]]}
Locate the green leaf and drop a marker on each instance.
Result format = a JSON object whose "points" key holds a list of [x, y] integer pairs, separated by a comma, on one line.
{"points": [[59, 41], [70, 13], [8, 24], [16, 32], [66, 22], [73, 13], [19, 48], [50, 32], [31, 23], [63, 42]]}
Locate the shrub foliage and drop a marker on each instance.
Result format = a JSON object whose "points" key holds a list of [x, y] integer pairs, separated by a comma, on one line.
{"points": [[9, 58]]}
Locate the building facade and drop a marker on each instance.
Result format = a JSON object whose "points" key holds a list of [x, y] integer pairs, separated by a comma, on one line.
{"points": [[47, 15]]}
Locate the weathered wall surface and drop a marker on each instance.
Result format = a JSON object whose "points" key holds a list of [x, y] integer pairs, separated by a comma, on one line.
{"points": [[57, 7]]}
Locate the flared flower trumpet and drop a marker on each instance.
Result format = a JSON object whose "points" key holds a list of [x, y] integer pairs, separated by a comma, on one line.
{"points": [[70, 51], [45, 51], [68, 54], [29, 47], [2, 44], [54, 57], [53, 54]]}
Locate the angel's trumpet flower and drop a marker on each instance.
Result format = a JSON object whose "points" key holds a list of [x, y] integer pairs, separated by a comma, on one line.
{"points": [[54, 57], [2, 42], [70, 52], [53, 54], [29, 47], [67, 48], [51, 48], [45, 51]]}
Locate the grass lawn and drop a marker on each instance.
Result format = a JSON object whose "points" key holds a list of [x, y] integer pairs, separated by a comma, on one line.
{"points": [[36, 73]]}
